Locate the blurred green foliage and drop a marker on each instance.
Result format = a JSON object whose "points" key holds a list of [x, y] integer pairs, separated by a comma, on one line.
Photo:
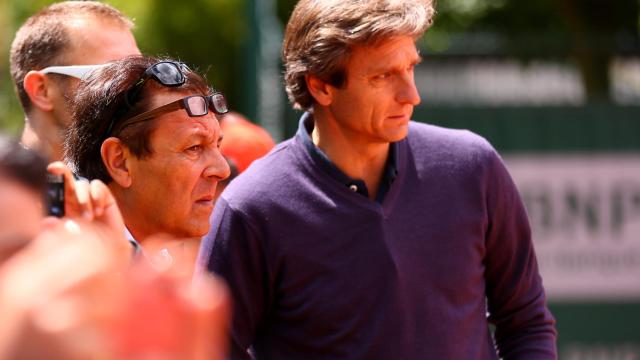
{"points": [[215, 36], [588, 33], [209, 35]]}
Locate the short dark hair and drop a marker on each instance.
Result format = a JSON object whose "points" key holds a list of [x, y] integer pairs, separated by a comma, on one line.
{"points": [[42, 40], [320, 35], [102, 98], [22, 165]]}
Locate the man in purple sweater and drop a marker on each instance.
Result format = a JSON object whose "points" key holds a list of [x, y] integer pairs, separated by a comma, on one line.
{"points": [[368, 236]]}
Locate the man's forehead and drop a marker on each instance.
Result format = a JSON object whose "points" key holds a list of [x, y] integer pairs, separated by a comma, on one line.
{"points": [[384, 53], [183, 125], [83, 24], [96, 41]]}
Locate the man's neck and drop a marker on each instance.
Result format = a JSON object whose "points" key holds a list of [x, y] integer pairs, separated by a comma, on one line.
{"points": [[358, 159], [134, 222], [43, 136], [139, 224]]}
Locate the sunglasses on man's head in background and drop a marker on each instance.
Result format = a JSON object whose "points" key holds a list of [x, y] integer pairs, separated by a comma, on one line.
{"points": [[81, 72]]}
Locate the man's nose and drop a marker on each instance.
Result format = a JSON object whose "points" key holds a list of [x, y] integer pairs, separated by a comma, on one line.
{"points": [[218, 169], [407, 92]]}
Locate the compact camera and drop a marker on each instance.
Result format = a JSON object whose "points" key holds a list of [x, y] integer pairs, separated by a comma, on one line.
{"points": [[55, 195]]}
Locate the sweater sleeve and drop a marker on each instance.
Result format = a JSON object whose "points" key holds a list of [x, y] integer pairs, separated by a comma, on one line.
{"points": [[232, 250], [524, 327]]}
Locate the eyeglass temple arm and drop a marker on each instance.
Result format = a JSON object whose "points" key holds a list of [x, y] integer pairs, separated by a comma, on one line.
{"points": [[176, 105]]}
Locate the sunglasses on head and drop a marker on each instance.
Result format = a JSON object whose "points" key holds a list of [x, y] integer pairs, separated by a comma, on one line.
{"points": [[170, 74], [167, 73]]}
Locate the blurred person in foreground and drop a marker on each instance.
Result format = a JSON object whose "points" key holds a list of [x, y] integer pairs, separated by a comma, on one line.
{"points": [[367, 235], [68, 287], [22, 187], [148, 129], [51, 51], [244, 143], [23, 207], [68, 295]]}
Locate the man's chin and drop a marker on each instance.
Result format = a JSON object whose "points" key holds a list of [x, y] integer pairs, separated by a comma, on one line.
{"points": [[189, 229], [198, 228], [397, 134]]}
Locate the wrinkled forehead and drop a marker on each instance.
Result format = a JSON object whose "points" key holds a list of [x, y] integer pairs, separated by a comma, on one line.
{"points": [[177, 129], [387, 53]]}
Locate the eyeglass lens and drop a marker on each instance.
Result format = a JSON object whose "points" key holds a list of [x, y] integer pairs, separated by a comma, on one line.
{"points": [[197, 105], [219, 103]]}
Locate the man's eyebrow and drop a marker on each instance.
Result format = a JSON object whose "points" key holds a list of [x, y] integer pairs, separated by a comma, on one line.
{"points": [[384, 68], [200, 133]]}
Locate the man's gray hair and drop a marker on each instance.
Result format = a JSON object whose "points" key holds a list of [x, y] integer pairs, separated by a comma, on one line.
{"points": [[321, 33]]}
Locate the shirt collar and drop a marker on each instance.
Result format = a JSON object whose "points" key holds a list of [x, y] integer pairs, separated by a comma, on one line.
{"points": [[390, 172]]}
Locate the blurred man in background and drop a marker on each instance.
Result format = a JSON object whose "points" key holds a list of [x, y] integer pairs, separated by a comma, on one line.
{"points": [[44, 60], [22, 186]]}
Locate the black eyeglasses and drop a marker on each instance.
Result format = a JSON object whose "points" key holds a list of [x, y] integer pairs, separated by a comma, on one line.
{"points": [[195, 105]]}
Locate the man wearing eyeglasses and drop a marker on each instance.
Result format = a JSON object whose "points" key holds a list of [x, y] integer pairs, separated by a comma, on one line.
{"points": [[149, 130], [51, 52]]}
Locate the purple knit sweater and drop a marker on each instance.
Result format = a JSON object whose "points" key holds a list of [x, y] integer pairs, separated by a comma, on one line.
{"points": [[320, 272]]}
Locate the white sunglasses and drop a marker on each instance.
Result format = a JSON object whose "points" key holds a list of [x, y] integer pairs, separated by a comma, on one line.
{"points": [[81, 72]]}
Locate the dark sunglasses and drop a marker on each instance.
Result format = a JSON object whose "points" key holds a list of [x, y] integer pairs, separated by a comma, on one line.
{"points": [[167, 73], [195, 105]]}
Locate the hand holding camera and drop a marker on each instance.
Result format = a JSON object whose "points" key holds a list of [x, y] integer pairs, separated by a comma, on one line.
{"points": [[90, 200], [83, 199]]}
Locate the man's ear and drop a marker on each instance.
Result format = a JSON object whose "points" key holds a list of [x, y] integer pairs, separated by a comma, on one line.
{"points": [[116, 158], [321, 91], [38, 88]]}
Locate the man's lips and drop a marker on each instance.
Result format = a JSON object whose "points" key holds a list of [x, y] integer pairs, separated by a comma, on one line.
{"points": [[398, 117], [205, 200]]}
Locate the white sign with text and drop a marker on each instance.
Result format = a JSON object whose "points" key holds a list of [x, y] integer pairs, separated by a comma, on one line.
{"points": [[585, 216]]}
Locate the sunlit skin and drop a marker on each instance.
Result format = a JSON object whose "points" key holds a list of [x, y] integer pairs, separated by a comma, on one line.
{"points": [[356, 123], [172, 191]]}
